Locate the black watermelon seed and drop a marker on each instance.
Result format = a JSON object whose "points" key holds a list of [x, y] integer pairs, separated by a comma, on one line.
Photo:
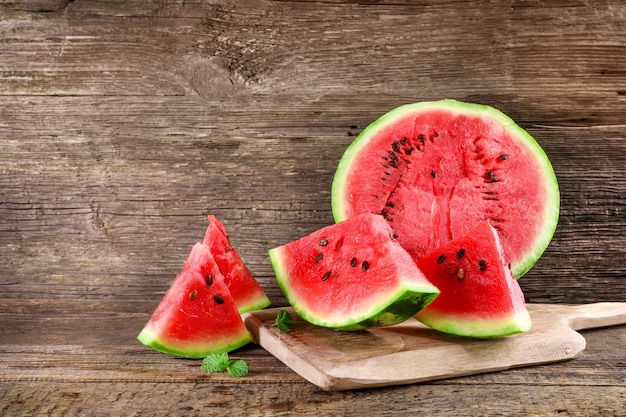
{"points": [[218, 299], [193, 295], [365, 265], [323, 242], [433, 173], [482, 265], [404, 140], [460, 253], [384, 213], [441, 258], [208, 279], [393, 163], [436, 134], [389, 204], [326, 276], [395, 146], [393, 236], [503, 157], [353, 262], [409, 150], [421, 138], [491, 176], [319, 257]]}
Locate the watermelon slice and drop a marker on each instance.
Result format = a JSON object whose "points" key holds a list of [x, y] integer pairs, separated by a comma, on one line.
{"points": [[244, 288], [436, 169], [198, 315], [479, 295], [351, 275]]}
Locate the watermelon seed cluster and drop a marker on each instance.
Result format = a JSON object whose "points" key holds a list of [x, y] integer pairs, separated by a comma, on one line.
{"points": [[365, 265]]}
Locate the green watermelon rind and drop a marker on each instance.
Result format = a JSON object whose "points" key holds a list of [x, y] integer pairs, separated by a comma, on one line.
{"points": [[395, 307], [551, 215], [150, 338], [258, 304], [478, 327]]}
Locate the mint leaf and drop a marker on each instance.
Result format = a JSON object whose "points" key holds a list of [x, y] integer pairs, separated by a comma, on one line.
{"points": [[237, 368], [219, 362], [216, 362], [283, 320]]}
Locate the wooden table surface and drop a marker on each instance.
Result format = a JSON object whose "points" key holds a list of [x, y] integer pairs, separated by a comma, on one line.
{"points": [[123, 124]]}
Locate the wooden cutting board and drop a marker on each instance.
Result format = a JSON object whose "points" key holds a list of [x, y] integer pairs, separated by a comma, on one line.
{"points": [[410, 352]]}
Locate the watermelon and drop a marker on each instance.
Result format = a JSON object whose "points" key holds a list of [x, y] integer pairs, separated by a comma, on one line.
{"points": [[436, 169], [351, 275], [479, 295], [244, 288], [197, 315]]}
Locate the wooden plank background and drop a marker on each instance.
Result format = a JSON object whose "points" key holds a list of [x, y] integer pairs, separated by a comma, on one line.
{"points": [[124, 123]]}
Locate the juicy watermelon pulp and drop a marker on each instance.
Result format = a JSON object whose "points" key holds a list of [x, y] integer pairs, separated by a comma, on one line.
{"points": [[244, 288], [200, 312], [479, 295], [436, 169], [197, 315], [351, 275]]}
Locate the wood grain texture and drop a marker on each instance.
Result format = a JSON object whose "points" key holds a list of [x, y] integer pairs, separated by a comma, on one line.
{"points": [[123, 124], [411, 352]]}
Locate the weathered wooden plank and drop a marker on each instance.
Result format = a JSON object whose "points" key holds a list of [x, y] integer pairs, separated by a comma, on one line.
{"points": [[227, 399], [323, 50]]}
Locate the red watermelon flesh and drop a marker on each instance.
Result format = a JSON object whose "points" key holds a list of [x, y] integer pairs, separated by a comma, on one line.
{"points": [[436, 169], [351, 275], [479, 295], [244, 288], [197, 315]]}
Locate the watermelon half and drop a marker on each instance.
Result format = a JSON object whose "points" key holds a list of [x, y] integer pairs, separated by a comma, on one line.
{"points": [[479, 295], [197, 315], [436, 169], [351, 275]]}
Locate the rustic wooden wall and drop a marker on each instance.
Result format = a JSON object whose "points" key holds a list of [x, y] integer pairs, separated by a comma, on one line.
{"points": [[125, 123]]}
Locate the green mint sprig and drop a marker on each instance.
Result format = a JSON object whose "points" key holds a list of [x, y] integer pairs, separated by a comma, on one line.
{"points": [[283, 320], [219, 362]]}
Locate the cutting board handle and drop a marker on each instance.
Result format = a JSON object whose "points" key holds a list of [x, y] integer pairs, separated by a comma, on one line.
{"points": [[589, 316]]}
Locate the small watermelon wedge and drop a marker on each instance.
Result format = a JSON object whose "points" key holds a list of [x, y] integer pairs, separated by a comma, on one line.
{"points": [[244, 288], [479, 295], [201, 311], [351, 275], [197, 315]]}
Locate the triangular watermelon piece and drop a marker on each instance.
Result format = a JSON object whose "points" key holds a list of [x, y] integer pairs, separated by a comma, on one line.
{"points": [[198, 315], [244, 288], [351, 275], [479, 295]]}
